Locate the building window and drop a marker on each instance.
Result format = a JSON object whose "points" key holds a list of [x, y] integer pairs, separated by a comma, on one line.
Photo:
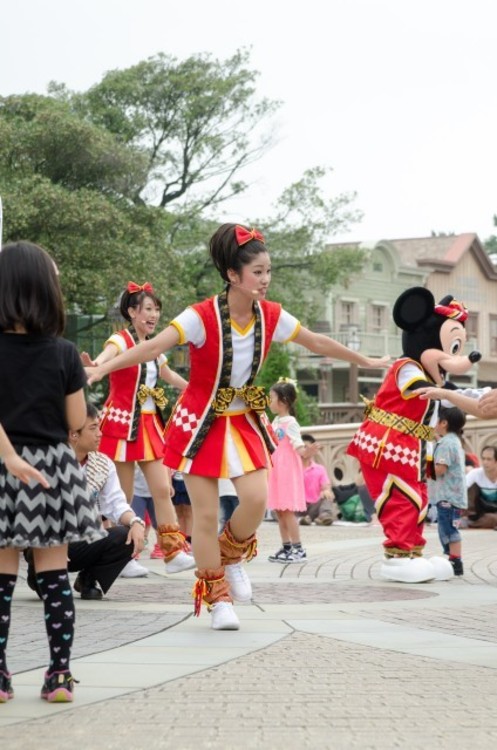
{"points": [[493, 335], [377, 321], [347, 313], [377, 266], [472, 326]]}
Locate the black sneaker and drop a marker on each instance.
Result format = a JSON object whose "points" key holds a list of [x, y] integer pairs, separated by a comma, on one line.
{"points": [[281, 556], [58, 687], [458, 566], [6, 691], [87, 587]]}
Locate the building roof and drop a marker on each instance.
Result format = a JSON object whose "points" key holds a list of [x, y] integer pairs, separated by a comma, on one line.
{"points": [[442, 251], [439, 253]]}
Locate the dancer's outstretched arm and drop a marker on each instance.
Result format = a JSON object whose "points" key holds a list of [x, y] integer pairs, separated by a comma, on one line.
{"points": [[144, 352]]}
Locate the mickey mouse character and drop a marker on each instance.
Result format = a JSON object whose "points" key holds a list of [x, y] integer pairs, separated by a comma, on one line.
{"points": [[391, 444]]}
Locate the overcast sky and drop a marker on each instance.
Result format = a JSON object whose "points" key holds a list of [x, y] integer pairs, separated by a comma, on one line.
{"points": [[398, 96]]}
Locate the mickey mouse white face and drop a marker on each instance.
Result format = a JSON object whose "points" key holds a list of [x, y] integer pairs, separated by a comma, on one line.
{"points": [[450, 357], [452, 337]]}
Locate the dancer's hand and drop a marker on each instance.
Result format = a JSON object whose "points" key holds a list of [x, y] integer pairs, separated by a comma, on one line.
{"points": [[431, 393], [86, 360], [94, 374], [488, 404], [378, 362]]}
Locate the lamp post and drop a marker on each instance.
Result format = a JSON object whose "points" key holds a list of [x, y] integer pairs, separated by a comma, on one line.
{"points": [[354, 343], [325, 368]]}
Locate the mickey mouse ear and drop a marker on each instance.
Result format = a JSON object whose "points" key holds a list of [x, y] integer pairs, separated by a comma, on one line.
{"points": [[413, 307]]}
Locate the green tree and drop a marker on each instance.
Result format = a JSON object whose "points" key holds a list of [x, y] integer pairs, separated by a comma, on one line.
{"points": [[490, 244], [296, 235], [65, 184], [122, 182], [197, 122]]}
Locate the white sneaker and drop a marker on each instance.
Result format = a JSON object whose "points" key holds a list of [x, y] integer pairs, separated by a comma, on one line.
{"points": [[180, 562], [240, 586], [134, 570], [223, 616]]}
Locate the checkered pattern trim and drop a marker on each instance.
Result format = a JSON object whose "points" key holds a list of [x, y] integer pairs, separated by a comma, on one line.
{"points": [[121, 416], [391, 452], [185, 419]]}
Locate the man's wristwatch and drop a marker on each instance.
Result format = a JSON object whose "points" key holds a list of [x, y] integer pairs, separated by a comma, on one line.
{"points": [[137, 519]]}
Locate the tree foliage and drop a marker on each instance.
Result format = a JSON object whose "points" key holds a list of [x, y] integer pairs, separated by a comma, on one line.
{"points": [[490, 244], [125, 181], [193, 120]]}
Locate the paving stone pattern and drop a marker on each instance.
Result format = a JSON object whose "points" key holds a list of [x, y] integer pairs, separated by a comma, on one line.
{"points": [[305, 692]]}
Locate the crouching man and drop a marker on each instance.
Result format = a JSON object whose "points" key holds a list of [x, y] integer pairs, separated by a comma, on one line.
{"points": [[99, 564]]}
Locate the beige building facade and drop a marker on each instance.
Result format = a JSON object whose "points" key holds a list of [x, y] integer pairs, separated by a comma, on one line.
{"points": [[360, 316]]}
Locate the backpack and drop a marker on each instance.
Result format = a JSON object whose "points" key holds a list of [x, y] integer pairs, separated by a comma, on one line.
{"points": [[349, 501], [353, 510]]}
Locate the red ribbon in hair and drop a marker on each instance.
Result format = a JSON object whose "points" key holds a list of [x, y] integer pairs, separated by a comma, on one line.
{"points": [[454, 310], [245, 235], [132, 288]]}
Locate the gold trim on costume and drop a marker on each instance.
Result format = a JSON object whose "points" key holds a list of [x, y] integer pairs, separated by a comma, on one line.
{"points": [[157, 394], [181, 332], [234, 413], [243, 331], [254, 396], [395, 421], [294, 334], [407, 386]]}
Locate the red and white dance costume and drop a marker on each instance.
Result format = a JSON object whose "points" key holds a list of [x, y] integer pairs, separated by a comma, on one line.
{"points": [[391, 443], [391, 448], [218, 427], [132, 427]]}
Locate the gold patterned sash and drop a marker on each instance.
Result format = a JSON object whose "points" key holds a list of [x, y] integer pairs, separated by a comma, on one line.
{"points": [[396, 422], [253, 395], [157, 394]]}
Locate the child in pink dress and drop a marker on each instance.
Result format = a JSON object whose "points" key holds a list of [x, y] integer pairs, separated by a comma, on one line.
{"points": [[286, 491]]}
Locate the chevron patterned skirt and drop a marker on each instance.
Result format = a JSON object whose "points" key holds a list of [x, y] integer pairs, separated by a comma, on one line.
{"points": [[31, 516]]}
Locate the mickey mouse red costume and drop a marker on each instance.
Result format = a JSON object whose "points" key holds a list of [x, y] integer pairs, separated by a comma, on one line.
{"points": [[391, 443]]}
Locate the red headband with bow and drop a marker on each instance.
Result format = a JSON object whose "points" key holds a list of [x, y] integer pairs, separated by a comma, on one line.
{"points": [[245, 235], [454, 310], [132, 288]]}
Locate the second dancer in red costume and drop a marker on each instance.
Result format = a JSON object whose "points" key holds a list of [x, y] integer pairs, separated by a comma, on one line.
{"points": [[132, 425], [219, 427]]}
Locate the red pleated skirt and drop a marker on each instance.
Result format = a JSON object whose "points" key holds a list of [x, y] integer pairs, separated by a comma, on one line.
{"points": [[148, 446], [233, 446]]}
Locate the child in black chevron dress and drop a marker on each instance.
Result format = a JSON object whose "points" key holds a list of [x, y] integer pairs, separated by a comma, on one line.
{"points": [[41, 399]]}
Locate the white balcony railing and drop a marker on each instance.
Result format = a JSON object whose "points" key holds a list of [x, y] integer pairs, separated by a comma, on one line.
{"points": [[334, 440]]}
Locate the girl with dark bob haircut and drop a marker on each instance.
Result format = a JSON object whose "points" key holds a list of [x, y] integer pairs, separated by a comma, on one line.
{"points": [[40, 307], [219, 427], [41, 399], [286, 393]]}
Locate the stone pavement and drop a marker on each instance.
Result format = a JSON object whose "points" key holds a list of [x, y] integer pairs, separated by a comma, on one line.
{"points": [[328, 656]]}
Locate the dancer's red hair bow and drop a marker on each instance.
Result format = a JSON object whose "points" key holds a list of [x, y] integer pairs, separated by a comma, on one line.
{"points": [[245, 235], [146, 287]]}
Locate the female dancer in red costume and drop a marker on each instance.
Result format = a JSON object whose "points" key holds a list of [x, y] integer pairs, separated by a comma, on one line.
{"points": [[132, 425], [219, 427]]}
